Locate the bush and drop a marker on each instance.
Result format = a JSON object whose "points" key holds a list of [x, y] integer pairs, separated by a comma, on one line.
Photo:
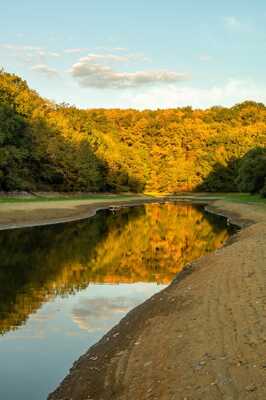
{"points": [[252, 172], [263, 191]]}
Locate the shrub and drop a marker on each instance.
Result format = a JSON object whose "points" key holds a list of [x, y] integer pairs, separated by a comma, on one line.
{"points": [[252, 171]]}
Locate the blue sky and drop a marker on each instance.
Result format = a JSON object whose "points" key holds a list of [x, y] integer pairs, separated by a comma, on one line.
{"points": [[141, 54]]}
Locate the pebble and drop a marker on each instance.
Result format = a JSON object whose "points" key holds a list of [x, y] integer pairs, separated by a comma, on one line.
{"points": [[147, 364], [251, 388]]}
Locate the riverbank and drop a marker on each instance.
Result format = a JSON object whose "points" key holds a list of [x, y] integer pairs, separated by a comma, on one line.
{"points": [[203, 337], [26, 212]]}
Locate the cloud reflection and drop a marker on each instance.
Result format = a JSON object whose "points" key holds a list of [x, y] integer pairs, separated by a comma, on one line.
{"points": [[98, 314]]}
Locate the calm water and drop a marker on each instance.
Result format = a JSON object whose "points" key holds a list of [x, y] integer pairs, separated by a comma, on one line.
{"points": [[62, 287]]}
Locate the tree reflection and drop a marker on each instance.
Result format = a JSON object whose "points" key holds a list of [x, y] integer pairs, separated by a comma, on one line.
{"points": [[150, 243]]}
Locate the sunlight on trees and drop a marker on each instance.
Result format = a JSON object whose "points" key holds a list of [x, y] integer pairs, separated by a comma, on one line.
{"points": [[44, 146]]}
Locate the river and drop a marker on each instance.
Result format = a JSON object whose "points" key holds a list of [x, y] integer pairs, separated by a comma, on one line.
{"points": [[63, 286]]}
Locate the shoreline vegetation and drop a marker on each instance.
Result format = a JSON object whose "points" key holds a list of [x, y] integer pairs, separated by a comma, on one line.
{"points": [[204, 329], [15, 197]]}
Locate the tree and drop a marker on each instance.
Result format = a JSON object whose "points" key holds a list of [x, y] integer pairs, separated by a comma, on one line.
{"points": [[252, 171]]}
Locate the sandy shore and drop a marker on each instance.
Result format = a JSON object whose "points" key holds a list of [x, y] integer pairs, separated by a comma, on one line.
{"points": [[203, 337], [26, 214]]}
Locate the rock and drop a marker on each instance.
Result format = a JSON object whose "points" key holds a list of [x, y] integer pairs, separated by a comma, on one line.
{"points": [[251, 388]]}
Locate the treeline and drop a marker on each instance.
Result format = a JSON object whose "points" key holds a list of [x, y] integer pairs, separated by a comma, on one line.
{"points": [[45, 146]]}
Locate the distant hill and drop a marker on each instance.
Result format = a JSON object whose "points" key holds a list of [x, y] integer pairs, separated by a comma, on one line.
{"points": [[45, 146]]}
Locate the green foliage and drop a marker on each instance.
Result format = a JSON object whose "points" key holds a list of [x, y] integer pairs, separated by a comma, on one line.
{"points": [[15, 149], [252, 172], [44, 146], [263, 190], [221, 179]]}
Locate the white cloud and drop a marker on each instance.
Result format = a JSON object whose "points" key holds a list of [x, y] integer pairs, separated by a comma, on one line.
{"points": [[75, 50], [110, 57], [91, 74], [15, 47], [45, 70], [205, 57], [107, 57], [45, 53], [28, 54], [120, 49], [232, 22], [171, 96]]}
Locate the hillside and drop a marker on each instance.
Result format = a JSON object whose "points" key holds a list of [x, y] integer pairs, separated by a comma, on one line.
{"points": [[45, 146]]}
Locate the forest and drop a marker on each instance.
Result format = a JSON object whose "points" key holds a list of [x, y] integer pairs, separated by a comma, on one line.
{"points": [[57, 147]]}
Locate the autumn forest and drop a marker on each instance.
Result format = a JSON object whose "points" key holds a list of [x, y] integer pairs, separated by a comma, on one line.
{"points": [[57, 147]]}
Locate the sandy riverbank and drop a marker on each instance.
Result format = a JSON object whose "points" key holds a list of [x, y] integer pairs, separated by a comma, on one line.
{"points": [[203, 337], [26, 214]]}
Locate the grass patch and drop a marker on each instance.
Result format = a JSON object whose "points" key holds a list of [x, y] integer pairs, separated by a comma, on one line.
{"points": [[232, 197], [243, 198], [93, 197]]}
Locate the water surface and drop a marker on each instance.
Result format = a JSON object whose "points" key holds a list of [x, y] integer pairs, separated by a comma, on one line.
{"points": [[63, 286]]}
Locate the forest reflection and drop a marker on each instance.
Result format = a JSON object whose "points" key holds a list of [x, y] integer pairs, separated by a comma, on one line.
{"points": [[150, 243]]}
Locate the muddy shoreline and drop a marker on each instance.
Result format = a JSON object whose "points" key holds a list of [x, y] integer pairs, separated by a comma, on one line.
{"points": [[203, 337]]}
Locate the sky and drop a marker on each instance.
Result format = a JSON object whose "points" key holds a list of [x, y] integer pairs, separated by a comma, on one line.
{"points": [[137, 54]]}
